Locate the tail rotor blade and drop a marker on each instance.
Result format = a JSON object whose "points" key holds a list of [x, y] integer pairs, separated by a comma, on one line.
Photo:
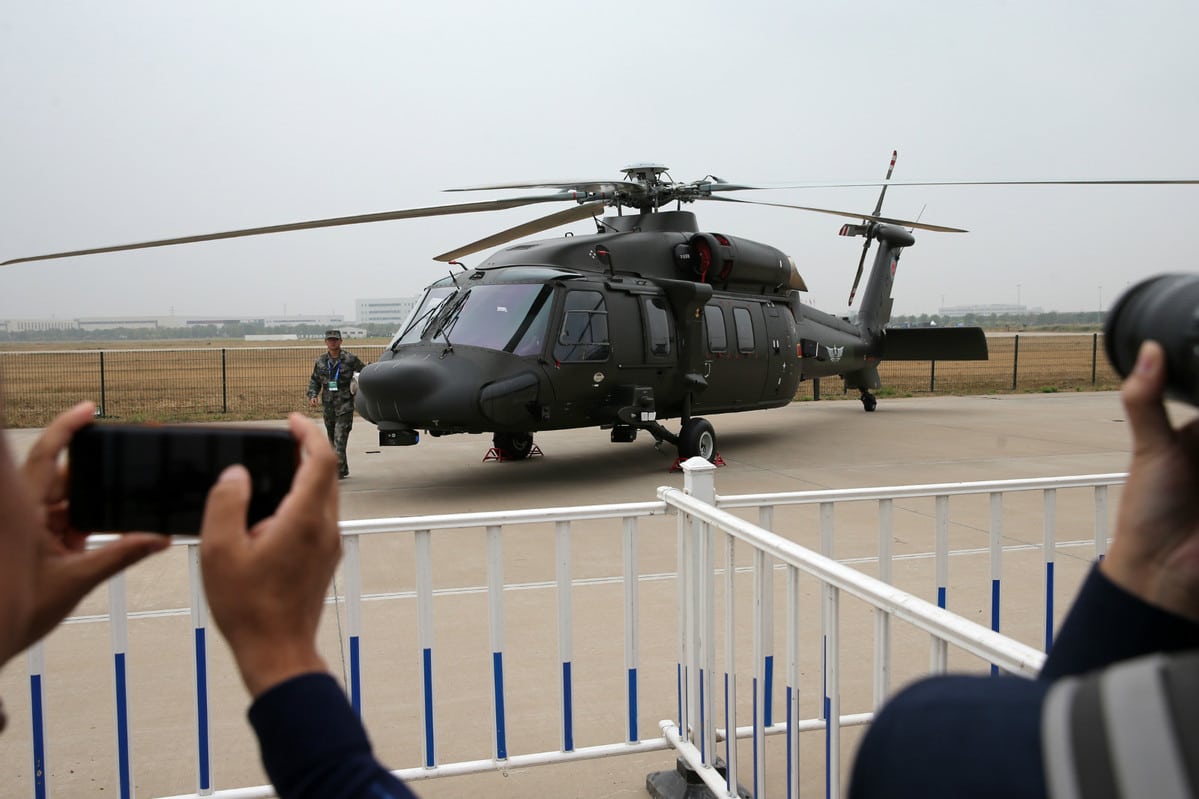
{"points": [[878, 208], [858, 277]]}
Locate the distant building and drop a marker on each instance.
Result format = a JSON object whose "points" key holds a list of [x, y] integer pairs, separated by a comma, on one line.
{"points": [[999, 309], [392, 311], [29, 325], [156, 322]]}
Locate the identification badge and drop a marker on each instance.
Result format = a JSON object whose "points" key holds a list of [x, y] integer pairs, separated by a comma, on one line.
{"points": [[333, 385]]}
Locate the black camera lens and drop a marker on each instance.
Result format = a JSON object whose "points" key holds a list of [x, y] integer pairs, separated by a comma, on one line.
{"points": [[1165, 309]]}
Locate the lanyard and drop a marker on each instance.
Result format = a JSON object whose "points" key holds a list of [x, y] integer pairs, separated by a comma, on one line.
{"points": [[329, 367]]}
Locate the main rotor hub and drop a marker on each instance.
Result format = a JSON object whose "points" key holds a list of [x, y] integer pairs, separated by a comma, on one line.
{"points": [[645, 173]]}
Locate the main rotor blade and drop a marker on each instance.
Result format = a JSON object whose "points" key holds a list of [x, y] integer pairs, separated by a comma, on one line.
{"points": [[528, 228], [1048, 182], [386, 216], [595, 186], [852, 215]]}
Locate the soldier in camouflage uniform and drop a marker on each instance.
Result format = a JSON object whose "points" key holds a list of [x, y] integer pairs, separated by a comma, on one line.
{"points": [[330, 385]]}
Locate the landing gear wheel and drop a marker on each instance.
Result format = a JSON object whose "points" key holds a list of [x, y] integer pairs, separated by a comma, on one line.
{"points": [[697, 438], [869, 401], [513, 446]]}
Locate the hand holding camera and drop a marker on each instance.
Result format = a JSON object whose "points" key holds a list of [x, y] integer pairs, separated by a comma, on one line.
{"points": [[64, 571], [266, 583]]}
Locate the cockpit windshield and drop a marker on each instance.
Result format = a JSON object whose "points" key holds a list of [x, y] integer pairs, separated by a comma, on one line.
{"points": [[410, 333], [511, 317]]}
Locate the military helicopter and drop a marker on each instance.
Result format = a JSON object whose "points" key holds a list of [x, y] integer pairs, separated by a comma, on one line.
{"points": [[649, 319]]}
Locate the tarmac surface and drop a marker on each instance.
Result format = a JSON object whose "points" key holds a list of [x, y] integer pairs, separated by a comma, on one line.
{"points": [[808, 445]]}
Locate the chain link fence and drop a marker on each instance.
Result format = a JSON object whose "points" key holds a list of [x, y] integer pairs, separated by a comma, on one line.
{"points": [[245, 383], [1018, 363]]}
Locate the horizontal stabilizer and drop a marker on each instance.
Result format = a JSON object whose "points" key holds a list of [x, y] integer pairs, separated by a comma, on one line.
{"points": [[934, 344]]}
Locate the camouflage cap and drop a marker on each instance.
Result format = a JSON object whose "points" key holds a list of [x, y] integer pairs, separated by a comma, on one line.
{"points": [[332, 334]]}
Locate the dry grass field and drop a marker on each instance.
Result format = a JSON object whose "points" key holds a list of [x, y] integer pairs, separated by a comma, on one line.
{"points": [[235, 380]]}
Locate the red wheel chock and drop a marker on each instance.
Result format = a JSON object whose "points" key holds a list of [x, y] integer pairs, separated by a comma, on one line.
{"points": [[678, 463], [493, 454]]}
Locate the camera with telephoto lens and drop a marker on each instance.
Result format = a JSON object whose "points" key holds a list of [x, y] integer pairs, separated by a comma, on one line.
{"points": [[1165, 309]]}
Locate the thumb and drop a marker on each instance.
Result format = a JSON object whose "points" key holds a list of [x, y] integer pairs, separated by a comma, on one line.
{"points": [[1142, 396], [99, 564], [65, 581], [225, 510]]}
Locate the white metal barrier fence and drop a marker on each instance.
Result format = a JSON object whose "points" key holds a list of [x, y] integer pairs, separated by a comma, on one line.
{"points": [[694, 731], [706, 526]]}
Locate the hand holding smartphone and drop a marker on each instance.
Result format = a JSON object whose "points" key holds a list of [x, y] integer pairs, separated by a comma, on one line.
{"points": [[156, 478]]}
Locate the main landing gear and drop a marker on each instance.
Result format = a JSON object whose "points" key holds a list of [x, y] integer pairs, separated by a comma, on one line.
{"points": [[869, 401], [512, 446], [697, 437]]}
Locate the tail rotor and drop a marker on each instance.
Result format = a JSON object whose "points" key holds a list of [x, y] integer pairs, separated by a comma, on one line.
{"points": [[878, 207]]}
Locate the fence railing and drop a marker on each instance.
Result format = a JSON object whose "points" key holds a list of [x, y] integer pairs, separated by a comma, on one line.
{"points": [[705, 530], [268, 382], [500, 623]]}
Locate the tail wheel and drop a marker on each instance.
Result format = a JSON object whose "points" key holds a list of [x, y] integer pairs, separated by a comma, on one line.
{"points": [[697, 438], [513, 446]]}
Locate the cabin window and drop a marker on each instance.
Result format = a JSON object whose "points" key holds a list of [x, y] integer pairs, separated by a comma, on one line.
{"points": [[718, 340], [744, 326], [584, 334], [657, 327]]}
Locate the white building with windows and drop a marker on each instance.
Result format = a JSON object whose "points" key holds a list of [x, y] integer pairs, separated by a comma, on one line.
{"points": [[384, 310]]}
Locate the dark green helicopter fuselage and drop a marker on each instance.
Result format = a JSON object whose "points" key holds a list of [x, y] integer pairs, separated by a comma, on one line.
{"points": [[623, 329]]}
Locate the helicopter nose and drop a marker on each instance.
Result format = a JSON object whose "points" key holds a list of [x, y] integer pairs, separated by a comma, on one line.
{"points": [[413, 391]]}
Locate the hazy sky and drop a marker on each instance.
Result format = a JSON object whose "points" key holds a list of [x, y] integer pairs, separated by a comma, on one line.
{"points": [[127, 121]]}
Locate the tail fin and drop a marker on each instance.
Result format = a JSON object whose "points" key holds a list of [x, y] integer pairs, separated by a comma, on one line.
{"points": [[875, 310]]}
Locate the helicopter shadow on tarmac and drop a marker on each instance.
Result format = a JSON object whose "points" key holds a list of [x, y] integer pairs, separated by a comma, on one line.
{"points": [[786, 449]]}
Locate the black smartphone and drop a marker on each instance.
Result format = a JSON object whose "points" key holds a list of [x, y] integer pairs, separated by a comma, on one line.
{"points": [[155, 478]]}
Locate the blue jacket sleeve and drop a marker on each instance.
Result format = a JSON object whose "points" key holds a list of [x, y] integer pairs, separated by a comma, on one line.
{"points": [[314, 746], [980, 736]]}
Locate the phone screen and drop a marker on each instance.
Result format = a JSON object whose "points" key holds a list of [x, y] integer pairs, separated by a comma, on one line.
{"points": [[125, 478]]}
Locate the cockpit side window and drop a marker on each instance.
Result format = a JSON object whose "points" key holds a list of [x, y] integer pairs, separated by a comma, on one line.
{"points": [[584, 332]]}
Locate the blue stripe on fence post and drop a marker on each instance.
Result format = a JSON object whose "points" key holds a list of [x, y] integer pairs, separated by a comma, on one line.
{"points": [[427, 676], [568, 735], [767, 692], [1048, 605], [726, 719], [941, 597], [355, 676], [994, 616], [678, 683], [202, 712], [124, 777], [633, 705], [790, 765], [826, 708], [497, 672], [732, 735], [39, 736]]}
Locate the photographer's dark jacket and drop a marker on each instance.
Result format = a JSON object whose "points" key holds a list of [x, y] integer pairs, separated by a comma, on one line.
{"points": [[325, 370], [981, 737]]}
